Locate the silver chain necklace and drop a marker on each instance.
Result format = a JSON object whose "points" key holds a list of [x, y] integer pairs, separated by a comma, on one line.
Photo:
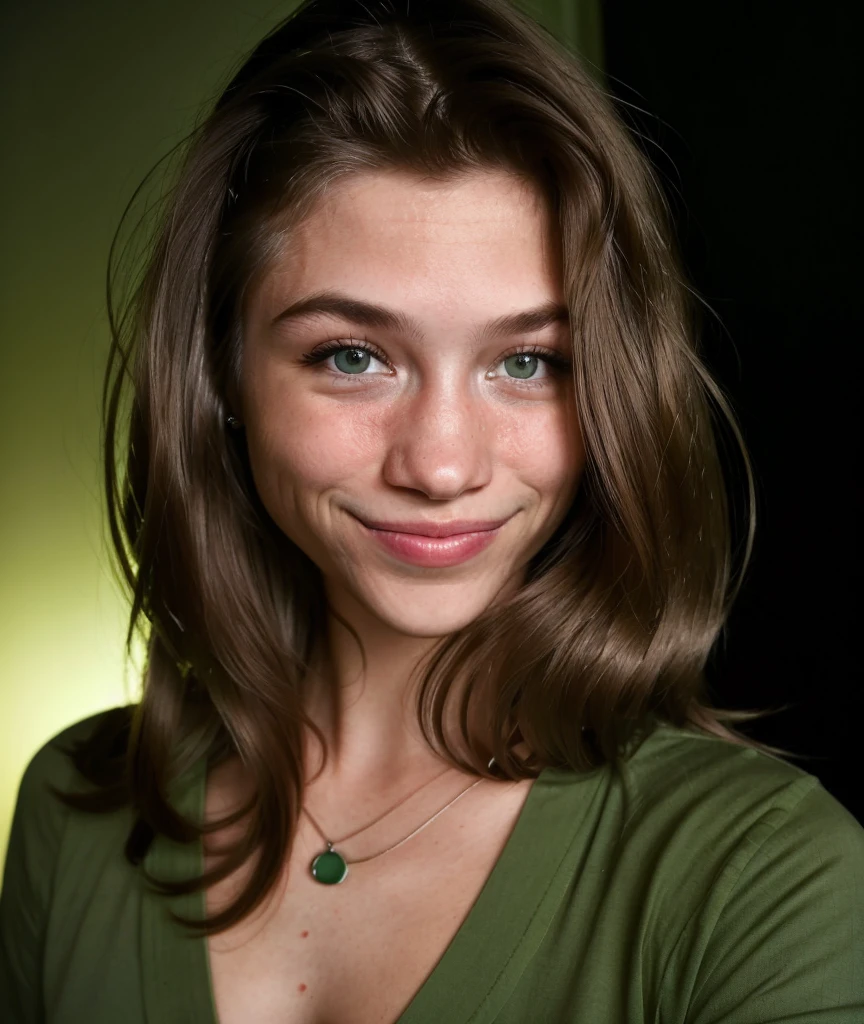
{"points": [[330, 868]]}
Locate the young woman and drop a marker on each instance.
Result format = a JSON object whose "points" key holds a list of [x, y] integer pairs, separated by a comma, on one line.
{"points": [[423, 509]]}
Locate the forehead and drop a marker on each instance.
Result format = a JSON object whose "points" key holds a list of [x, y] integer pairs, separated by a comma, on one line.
{"points": [[422, 237], [397, 202]]}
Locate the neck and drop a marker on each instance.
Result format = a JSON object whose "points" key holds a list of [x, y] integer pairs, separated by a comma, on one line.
{"points": [[367, 715]]}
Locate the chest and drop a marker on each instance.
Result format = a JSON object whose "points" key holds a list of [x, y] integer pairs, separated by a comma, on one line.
{"points": [[359, 951]]}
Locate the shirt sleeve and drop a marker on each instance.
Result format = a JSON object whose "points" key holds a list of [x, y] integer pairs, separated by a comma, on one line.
{"points": [[34, 845], [787, 946]]}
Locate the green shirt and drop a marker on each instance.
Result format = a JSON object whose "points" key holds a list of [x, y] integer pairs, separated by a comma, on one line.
{"points": [[695, 882]]}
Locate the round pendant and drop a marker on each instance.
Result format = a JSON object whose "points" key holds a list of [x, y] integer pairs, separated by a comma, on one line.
{"points": [[329, 868]]}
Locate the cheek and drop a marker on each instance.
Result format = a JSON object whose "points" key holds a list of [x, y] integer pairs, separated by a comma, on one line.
{"points": [[304, 445], [544, 449]]}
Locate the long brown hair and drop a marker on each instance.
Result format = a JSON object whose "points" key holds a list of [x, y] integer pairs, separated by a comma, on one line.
{"points": [[619, 611]]}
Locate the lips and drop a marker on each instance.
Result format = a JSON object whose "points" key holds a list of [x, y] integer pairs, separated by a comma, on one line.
{"points": [[434, 545], [421, 529]]}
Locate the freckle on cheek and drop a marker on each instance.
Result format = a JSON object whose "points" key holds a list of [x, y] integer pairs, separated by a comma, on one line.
{"points": [[301, 987], [304, 935]]}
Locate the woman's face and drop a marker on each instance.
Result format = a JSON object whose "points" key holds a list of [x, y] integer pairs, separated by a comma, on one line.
{"points": [[377, 391]]}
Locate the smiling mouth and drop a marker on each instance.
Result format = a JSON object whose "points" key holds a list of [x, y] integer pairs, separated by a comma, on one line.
{"points": [[436, 530], [455, 542]]}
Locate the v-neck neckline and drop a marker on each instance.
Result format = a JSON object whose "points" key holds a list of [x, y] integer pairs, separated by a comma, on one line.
{"points": [[477, 971]]}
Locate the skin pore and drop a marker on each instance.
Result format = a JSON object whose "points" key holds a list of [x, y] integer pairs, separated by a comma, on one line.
{"points": [[441, 420]]}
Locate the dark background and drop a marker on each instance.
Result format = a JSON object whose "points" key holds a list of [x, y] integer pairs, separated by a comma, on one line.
{"points": [[750, 115]]}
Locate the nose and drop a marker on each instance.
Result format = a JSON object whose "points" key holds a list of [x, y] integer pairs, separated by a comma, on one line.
{"points": [[440, 443]]}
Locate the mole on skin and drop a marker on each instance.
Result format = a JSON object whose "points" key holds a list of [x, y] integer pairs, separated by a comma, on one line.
{"points": [[301, 987], [303, 935]]}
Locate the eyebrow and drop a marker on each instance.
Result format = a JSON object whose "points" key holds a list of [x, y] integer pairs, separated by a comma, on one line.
{"points": [[368, 314]]}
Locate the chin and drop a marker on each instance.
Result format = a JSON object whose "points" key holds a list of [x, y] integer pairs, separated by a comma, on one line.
{"points": [[428, 609]]}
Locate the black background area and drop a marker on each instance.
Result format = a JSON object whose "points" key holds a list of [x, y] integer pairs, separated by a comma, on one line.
{"points": [[750, 114]]}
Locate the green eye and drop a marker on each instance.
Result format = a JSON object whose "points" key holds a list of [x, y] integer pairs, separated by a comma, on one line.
{"points": [[522, 365], [352, 360]]}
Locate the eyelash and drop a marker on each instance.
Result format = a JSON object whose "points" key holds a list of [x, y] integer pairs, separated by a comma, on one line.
{"points": [[328, 348]]}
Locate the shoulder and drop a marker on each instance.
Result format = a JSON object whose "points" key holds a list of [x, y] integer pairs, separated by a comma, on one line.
{"points": [[40, 841], [756, 871], [39, 814], [693, 770], [743, 838], [51, 764], [745, 874], [728, 793], [710, 815]]}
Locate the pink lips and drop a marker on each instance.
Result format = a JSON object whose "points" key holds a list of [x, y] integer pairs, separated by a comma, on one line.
{"points": [[435, 545]]}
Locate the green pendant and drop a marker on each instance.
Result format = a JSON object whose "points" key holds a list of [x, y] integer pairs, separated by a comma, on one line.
{"points": [[329, 868]]}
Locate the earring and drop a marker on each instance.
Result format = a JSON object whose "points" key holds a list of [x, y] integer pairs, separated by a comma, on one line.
{"points": [[233, 422]]}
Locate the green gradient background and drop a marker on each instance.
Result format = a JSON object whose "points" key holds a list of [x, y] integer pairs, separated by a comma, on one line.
{"points": [[93, 95]]}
